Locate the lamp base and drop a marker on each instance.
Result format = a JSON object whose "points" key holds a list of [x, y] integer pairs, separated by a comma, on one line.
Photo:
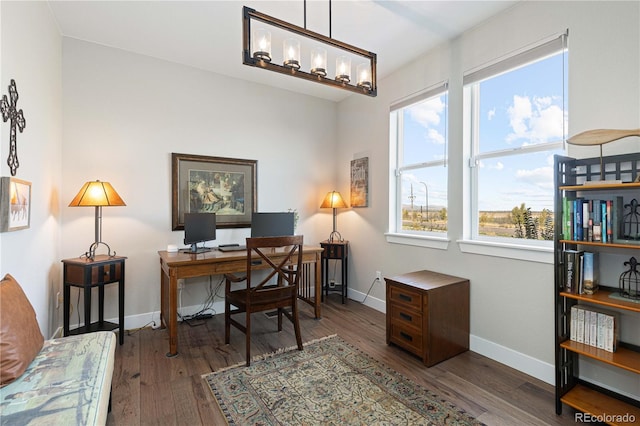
{"points": [[91, 254], [335, 236]]}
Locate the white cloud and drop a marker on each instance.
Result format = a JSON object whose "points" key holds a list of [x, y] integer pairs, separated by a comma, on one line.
{"points": [[427, 113], [435, 136], [541, 177], [498, 166], [491, 114], [535, 121]]}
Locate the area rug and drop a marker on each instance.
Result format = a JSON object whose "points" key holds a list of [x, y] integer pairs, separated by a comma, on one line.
{"points": [[328, 383]]}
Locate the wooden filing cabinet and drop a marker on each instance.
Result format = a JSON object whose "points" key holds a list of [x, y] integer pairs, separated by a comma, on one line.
{"points": [[428, 314]]}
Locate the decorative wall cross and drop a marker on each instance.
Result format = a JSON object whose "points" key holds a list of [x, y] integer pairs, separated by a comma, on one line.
{"points": [[10, 112]]}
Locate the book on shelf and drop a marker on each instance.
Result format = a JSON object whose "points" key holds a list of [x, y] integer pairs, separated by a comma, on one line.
{"points": [[572, 271], [567, 218], [577, 219], [590, 272], [603, 182], [594, 327]]}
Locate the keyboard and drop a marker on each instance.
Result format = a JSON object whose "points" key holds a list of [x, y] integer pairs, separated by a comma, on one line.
{"points": [[231, 247]]}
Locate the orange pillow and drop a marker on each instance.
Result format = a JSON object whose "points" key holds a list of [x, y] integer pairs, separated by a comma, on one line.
{"points": [[20, 336]]}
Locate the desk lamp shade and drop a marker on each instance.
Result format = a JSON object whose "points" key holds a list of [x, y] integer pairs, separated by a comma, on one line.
{"points": [[97, 194], [334, 201]]}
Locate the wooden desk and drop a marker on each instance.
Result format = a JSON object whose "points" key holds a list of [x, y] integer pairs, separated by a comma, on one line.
{"points": [[174, 266]]}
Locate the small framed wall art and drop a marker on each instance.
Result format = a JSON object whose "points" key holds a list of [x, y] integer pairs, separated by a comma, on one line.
{"points": [[15, 204], [360, 182]]}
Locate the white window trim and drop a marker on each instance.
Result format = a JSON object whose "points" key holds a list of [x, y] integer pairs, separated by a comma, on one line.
{"points": [[428, 241], [510, 250]]}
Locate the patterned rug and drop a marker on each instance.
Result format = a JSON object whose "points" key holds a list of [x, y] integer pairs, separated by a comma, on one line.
{"points": [[328, 383]]}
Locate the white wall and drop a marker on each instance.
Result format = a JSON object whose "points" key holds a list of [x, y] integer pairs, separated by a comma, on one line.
{"points": [[31, 55], [124, 114], [511, 301]]}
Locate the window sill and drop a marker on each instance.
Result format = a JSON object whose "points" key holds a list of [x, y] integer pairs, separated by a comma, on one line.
{"points": [[507, 250], [440, 243]]}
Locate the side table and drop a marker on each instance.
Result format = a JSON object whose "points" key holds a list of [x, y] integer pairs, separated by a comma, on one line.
{"points": [[85, 273], [335, 250]]}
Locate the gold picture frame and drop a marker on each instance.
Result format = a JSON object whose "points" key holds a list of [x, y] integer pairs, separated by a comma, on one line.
{"points": [[224, 186]]}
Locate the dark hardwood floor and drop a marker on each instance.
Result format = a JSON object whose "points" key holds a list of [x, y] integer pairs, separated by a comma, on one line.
{"points": [[150, 389]]}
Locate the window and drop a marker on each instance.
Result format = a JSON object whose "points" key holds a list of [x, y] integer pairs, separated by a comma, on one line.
{"points": [[418, 144], [515, 120]]}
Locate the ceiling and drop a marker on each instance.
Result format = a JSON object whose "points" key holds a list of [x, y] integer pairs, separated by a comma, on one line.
{"points": [[208, 34]]}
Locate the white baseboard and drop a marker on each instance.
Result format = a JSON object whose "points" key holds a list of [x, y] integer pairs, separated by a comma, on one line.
{"points": [[372, 302], [514, 359]]}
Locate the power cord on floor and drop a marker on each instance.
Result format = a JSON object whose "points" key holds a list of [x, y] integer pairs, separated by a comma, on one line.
{"points": [[135, 330], [370, 288]]}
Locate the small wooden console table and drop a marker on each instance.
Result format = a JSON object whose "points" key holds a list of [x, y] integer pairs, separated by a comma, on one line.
{"points": [[174, 266], [85, 273], [428, 314], [335, 250]]}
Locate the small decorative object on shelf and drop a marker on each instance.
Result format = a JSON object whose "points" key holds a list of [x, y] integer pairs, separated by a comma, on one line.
{"points": [[630, 280], [600, 137], [631, 221]]}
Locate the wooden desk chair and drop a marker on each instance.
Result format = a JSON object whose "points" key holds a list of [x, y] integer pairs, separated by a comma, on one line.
{"points": [[267, 257]]}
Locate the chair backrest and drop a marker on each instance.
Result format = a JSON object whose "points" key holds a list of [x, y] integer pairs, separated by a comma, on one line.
{"points": [[279, 257]]}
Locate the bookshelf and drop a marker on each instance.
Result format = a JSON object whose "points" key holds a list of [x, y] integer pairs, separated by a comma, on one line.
{"points": [[572, 389]]}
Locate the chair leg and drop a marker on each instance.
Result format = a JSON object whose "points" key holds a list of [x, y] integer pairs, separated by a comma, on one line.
{"points": [[279, 319], [296, 324], [227, 321], [248, 338]]}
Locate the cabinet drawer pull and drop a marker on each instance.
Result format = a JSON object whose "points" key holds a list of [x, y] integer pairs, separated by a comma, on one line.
{"points": [[405, 297], [406, 316], [406, 336]]}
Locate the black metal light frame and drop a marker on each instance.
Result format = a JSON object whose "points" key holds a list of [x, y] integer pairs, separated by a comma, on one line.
{"points": [[248, 14]]}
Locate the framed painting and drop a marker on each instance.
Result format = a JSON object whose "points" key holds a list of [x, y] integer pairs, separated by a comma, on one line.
{"points": [[224, 186], [360, 182], [15, 204]]}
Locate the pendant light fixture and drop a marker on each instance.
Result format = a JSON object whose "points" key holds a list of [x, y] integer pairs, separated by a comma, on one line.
{"points": [[299, 45]]}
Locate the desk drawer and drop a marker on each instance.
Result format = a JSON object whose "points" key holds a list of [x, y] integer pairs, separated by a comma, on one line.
{"points": [[407, 318], [405, 296], [334, 251], [97, 274], [407, 338]]}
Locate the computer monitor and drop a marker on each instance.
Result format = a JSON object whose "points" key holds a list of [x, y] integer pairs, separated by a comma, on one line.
{"points": [[272, 224], [198, 228]]}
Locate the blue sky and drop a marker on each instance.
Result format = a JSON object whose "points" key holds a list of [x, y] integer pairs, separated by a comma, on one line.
{"points": [[517, 109]]}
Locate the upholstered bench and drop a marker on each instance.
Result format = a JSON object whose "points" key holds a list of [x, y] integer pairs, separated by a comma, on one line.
{"points": [[67, 382]]}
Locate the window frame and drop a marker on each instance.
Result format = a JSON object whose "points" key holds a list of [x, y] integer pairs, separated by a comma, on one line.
{"points": [[396, 234], [472, 241]]}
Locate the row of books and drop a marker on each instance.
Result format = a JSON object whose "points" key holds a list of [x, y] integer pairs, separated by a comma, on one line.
{"points": [[581, 271], [592, 220], [594, 327]]}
